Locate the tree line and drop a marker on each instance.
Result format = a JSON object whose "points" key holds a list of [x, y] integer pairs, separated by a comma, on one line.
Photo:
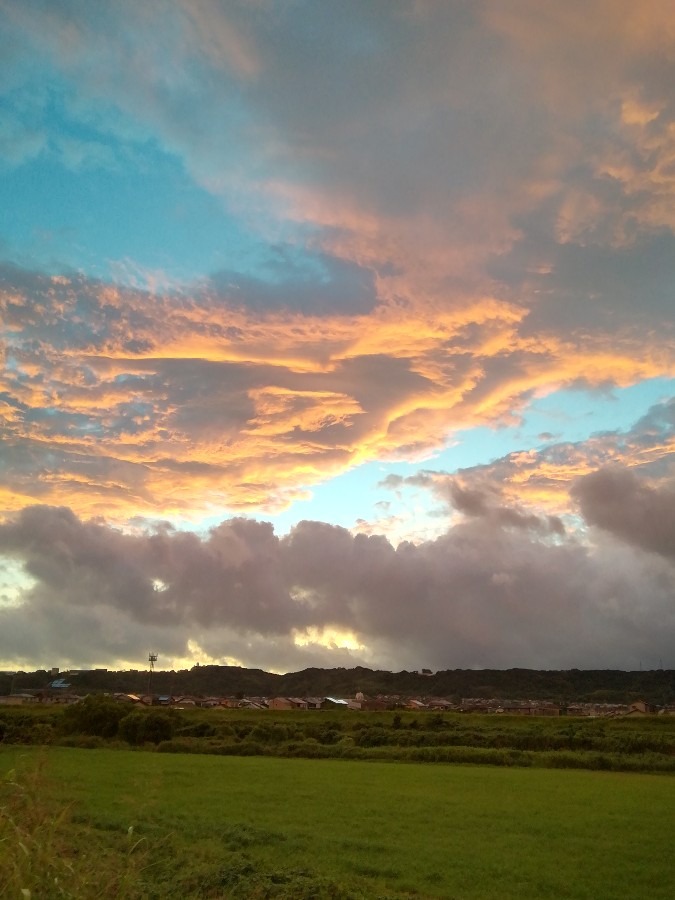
{"points": [[559, 686]]}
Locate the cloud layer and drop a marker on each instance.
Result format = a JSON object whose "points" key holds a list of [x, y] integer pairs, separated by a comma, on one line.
{"points": [[498, 588], [118, 402]]}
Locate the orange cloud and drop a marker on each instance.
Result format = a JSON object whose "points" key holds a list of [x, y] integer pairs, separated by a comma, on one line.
{"points": [[194, 405]]}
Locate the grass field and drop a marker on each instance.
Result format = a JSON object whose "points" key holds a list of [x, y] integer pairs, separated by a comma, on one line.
{"points": [[134, 824]]}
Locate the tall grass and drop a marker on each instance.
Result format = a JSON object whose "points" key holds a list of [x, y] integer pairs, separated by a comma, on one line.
{"points": [[46, 853], [52, 849]]}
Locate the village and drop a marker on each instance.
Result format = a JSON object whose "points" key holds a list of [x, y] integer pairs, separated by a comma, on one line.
{"points": [[58, 692]]}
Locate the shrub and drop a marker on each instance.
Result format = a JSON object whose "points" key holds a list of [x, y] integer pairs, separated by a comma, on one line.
{"points": [[96, 714], [181, 745], [243, 748], [374, 737], [198, 729], [141, 727], [261, 734], [310, 749], [38, 733], [82, 741]]}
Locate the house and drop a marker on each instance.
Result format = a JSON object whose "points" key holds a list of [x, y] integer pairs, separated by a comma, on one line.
{"points": [[325, 703], [251, 704], [440, 704], [546, 709], [478, 704], [416, 705], [365, 703], [516, 708], [641, 708], [17, 699], [286, 703], [209, 702]]}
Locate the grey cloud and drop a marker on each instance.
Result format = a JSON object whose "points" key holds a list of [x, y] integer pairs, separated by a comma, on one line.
{"points": [[316, 284], [657, 423], [587, 286], [483, 594], [477, 496], [618, 501], [479, 490], [482, 503], [67, 312], [231, 576]]}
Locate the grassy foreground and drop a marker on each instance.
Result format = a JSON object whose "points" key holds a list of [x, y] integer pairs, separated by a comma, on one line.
{"points": [[123, 824]]}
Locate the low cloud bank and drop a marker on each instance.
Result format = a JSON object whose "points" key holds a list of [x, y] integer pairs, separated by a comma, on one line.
{"points": [[501, 587]]}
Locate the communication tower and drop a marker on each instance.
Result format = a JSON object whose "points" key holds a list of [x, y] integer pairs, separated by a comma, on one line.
{"points": [[152, 659]]}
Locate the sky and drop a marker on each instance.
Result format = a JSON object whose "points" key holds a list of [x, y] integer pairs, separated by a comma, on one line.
{"points": [[337, 334]]}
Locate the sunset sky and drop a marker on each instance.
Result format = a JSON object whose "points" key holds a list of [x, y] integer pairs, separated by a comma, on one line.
{"points": [[337, 333]]}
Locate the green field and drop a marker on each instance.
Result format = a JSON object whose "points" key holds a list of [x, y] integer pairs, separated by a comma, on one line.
{"points": [[111, 823]]}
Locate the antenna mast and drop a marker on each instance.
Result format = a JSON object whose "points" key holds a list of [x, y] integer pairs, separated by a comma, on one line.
{"points": [[152, 659]]}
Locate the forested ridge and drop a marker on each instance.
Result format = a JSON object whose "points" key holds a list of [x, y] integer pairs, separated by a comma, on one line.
{"points": [[563, 686]]}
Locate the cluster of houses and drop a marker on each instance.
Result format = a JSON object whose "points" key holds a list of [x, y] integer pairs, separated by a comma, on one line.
{"points": [[546, 708], [359, 702]]}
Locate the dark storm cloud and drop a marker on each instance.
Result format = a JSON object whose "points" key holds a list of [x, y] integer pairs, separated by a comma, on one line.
{"points": [[231, 576], [617, 500], [479, 503], [485, 593]]}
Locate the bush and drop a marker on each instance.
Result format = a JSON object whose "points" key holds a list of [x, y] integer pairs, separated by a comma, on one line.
{"points": [[309, 749], [244, 748], [182, 745], [96, 714], [39, 733], [374, 737], [197, 729], [151, 727], [82, 741]]}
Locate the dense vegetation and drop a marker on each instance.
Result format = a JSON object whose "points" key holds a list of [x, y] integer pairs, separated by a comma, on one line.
{"points": [[622, 744], [603, 686], [140, 825]]}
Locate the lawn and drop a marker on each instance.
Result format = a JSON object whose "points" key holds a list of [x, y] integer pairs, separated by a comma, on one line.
{"points": [[202, 826]]}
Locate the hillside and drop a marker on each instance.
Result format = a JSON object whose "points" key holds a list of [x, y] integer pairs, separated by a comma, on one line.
{"points": [[605, 685]]}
